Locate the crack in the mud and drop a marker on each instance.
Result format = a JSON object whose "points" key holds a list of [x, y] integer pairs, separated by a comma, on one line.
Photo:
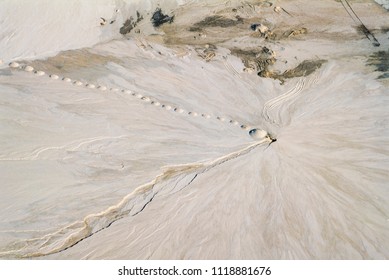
{"points": [[215, 163]]}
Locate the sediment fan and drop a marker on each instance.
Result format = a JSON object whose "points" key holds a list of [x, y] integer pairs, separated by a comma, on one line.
{"points": [[194, 135]]}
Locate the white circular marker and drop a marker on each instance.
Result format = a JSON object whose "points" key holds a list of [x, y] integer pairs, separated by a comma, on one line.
{"points": [[39, 73], [28, 68], [138, 95], [168, 107], [114, 89], [1, 62], [127, 91], [68, 80], [234, 122], [90, 86], [54, 77], [145, 98], [156, 103], [258, 134], [14, 65], [103, 88], [77, 83], [221, 119]]}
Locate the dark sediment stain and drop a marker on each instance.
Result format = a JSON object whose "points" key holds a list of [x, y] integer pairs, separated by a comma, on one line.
{"points": [[305, 68], [130, 24], [211, 30], [256, 59], [69, 61], [160, 18], [216, 21], [362, 29], [380, 61], [194, 29]]}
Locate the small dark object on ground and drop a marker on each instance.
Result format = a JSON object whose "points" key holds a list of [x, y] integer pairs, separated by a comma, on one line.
{"points": [[254, 26], [159, 18]]}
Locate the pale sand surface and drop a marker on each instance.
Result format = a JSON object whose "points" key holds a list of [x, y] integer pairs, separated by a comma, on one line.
{"points": [[145, 153]]}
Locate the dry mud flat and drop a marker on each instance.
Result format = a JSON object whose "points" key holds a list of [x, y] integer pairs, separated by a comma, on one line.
{"points": [[148, 153]]}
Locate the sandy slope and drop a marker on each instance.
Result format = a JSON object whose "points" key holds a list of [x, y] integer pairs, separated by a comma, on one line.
{"points": [[150, 156]]}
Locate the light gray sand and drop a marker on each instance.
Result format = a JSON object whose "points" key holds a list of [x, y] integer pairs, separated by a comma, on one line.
{"points": [[145, 153]]}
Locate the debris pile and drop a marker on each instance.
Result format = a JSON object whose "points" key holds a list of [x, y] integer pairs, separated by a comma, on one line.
{"points": [[256, 60], [262, 29], [207, 53]]}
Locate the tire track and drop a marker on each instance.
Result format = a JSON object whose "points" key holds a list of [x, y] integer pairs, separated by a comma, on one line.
{"points": [[73, 146], [282, 99], [290, 95]]}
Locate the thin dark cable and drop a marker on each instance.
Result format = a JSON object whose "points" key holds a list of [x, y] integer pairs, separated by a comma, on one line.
{"points": [[355, 18], [347, 10], [348, 4]]}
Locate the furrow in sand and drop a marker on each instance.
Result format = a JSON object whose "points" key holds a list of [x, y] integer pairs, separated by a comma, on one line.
{"points": [[72, 146], [282, 99]]}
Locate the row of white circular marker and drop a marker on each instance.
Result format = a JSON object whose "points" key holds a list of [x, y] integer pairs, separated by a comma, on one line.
{"points": [[152, 101]]}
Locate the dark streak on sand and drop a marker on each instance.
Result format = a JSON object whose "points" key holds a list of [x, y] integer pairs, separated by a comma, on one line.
{"points": [[130, 24], [305, 68], [258, 59], [380, 60], [216, 21]]}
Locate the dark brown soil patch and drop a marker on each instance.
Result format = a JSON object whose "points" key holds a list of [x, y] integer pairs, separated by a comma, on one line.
{"points": [[305, 68], [130, 24], [216, 21], [69, 61], [257, 59]]}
